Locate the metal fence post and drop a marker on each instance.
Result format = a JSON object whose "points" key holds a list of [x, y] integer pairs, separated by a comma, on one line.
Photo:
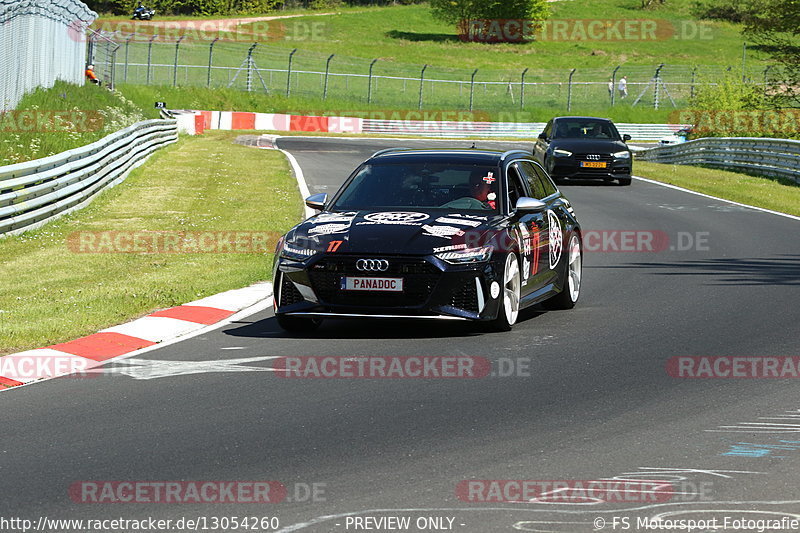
{"points": [[250, 67], [691, 89], [744, 57], [569, 90], [113, 82], [369, 81], [421, 82], [127, 45], [150, 56], [175, 64], [289, 73], [766, 81], [327, 72], [614, 84], [472, 88], [657, 79], [210, 57], [522, 90]]}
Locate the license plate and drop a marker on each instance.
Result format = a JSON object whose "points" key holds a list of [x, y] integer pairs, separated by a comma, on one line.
{"points": [[593, 164], [372, 284]]}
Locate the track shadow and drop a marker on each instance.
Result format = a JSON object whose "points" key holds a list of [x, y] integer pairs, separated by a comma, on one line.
{"points": [[782, 270], [434, 37], [374, 328], [587, 182]]}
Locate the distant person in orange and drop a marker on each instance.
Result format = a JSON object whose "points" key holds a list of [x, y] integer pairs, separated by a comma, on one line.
{"points": [[91, 76]]}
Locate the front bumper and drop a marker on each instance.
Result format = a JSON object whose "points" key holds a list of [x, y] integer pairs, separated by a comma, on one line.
{"points": [[570, 167], [431, 288]]}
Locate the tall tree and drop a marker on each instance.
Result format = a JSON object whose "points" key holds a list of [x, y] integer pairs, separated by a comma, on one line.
{"points": [[775, 25]]}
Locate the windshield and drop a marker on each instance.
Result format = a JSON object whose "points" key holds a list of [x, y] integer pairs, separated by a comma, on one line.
{"points": [[440, 185], [585, 129]]}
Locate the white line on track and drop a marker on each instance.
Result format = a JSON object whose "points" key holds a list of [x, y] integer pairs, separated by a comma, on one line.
{"points": [[667, 185]]}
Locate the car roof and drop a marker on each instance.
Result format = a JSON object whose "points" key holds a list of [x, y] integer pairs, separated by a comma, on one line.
{"points": [[582, 118], [470, 156]]}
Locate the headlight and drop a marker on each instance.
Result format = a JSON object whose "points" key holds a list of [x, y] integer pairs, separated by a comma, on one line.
{"points": [[622, 155], [472, 255], [558, 152], [295, 253]]}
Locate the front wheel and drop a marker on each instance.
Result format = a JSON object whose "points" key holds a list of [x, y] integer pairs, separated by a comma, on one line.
{"points": [[624, 181], [573, 274], [296, 324], [510, 294]]}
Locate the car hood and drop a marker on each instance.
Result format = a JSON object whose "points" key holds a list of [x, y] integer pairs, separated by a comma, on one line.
{"points": [[402, 232], [583, 146]]}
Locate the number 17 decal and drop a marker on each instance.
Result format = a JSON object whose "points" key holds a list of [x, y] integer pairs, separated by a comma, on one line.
{"points": [[334, 245]]}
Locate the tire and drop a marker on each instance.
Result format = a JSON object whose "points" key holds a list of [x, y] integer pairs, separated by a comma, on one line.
{"points": [[510, 291], [573, 274], [296, 324], [624, 181]]}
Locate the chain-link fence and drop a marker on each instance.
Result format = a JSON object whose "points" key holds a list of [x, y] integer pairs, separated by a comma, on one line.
{"points": [[40, 41], [159, 60], [102, 53]]}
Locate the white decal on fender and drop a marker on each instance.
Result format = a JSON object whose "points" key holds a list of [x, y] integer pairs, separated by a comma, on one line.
{"points": [[554, 237]]}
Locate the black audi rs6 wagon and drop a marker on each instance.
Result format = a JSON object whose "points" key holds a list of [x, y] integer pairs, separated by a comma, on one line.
{"points": [[434, 234]]}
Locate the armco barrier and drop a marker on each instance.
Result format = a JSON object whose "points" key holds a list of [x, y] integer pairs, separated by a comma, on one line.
{"points": [[36, 192], [772, 157], [235, 120]]}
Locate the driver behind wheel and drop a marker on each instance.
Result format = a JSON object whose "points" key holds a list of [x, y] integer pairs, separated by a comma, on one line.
{"points": [[482, 188]]}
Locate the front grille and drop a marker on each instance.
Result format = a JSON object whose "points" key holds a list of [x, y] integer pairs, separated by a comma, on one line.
{"points": [[419, 280], [289, 293], [584, 157], [466, 297]]}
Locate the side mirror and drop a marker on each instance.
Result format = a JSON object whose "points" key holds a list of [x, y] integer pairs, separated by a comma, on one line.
{"points": [[542, 136], [317, 201], [626, 137], [530, 205]]}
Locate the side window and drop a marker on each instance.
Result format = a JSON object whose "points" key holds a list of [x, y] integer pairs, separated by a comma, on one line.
{"points": [[515, 187], [548, 129], [547, 184], [535, 185]]}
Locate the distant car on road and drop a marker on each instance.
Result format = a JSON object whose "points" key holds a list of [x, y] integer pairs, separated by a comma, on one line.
{"points": [[584, 148], [679, 137], [438, 234]]}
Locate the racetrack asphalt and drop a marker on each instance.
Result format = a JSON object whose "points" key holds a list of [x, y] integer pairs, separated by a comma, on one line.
{"points": [[595, 401]]}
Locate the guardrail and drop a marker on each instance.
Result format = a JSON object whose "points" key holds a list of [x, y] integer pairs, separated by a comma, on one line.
{"points": [[36, 192], [772, 157], [528, 130]]}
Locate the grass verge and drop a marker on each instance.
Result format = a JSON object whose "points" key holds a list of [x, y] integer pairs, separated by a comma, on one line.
{"points": [[52, 294], [776, 194], [63, 117]]}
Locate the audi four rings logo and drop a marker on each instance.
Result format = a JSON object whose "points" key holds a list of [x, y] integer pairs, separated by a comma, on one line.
{"points": [[372, 265], [593, 157]]}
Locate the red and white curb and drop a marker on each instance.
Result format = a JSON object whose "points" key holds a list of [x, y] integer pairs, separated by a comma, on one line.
{"points": [[156, 329]]}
